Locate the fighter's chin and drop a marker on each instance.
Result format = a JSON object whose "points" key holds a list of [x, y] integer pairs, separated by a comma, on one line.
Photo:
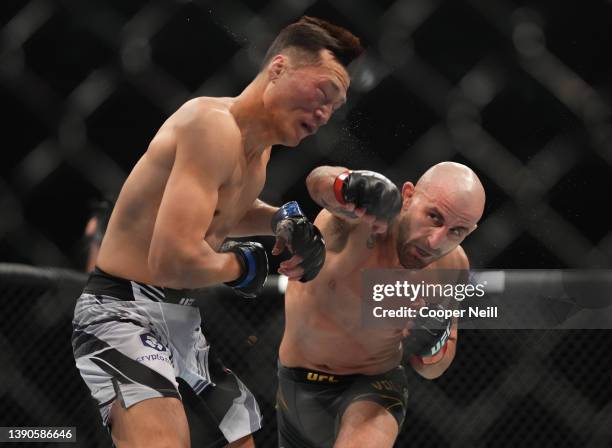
{"points": [[410, 262], [411, 259], [291, 143], [293, 139]]}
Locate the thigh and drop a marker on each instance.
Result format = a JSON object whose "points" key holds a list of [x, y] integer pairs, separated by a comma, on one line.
{"points": [[224, 412], [373, 410], [155, 422], [306, 413], [366, 424], [122, 358]]}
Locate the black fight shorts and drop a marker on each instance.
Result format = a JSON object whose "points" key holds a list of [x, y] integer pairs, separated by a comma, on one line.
{"points": [[310, 404]]}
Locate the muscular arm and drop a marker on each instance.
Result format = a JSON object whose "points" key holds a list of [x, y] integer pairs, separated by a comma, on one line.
{"points": [[435, 366], [320, 184], [179, 257], [256, 221], [341, 223], [359, 196], [335, 231], [335, 221]]}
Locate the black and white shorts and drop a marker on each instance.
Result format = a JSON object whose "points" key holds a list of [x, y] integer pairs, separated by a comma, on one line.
{"points": [[133, 341]]}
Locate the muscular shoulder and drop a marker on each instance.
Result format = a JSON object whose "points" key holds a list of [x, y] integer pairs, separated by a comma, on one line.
{"points": [[460, 259], [456, 259], [206, 134], [206, 117], [335, 231]]}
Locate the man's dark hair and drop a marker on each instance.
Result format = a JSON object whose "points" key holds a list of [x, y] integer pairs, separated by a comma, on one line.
{"points": [[311, 35]]}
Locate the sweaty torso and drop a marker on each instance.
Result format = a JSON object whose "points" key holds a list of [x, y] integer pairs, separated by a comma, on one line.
{"points": [[323, 329], [125, 248]]}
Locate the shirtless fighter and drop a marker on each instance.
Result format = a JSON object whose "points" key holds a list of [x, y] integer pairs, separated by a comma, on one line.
{"points": [[341, 384], [137, 338]]}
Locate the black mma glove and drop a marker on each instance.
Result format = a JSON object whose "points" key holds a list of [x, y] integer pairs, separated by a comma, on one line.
{"points": [[369, 190], [254, 261], [428, 337], [303, 238]]}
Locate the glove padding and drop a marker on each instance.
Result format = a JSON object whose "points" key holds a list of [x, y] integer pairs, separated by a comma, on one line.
{"points": [[254, 261], [371, 191], [428, 336], [303, 238]]}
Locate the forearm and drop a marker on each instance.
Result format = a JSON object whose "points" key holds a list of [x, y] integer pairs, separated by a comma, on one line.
{"points": [[320, 184], [199, 268], [434, 366], [256, 221]]}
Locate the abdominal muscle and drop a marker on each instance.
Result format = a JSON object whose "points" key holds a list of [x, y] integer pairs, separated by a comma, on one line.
{"points": [[324, 331]]}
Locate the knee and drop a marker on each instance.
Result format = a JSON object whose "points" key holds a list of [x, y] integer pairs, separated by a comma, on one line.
{"points": [[364, 412], [366, 424]]}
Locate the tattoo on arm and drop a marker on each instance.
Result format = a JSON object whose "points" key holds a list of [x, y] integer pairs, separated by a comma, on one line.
{"points": [[371, 241], [337, 234]]}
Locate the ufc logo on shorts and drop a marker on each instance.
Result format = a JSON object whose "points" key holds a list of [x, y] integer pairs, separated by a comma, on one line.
{"points": [[320, 377], [186, 302]]}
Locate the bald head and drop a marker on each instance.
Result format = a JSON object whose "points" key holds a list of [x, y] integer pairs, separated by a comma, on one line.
{"points": [[458, 184], [438, 213]]}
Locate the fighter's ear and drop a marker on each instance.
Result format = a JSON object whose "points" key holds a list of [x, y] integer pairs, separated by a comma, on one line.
{"points": [[407, 193], [277, 66]]}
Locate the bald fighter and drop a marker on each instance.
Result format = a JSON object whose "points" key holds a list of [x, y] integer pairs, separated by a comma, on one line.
{"points": [[137, 339], [342, 384]]}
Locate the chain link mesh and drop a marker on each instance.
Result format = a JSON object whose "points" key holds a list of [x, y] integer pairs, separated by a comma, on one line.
{"points": [[518, 90]]}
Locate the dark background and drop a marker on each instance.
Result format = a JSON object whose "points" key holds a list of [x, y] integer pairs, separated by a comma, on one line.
{"points": [[518, 90]]}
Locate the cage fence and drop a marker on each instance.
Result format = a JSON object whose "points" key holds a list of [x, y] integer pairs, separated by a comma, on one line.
{"points": [[518, 90]]}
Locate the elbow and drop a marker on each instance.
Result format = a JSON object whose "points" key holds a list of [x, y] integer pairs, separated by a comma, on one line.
{"points": [[184, 268], [311, 183], [162, 271], [315, 186], [167, 267]]}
